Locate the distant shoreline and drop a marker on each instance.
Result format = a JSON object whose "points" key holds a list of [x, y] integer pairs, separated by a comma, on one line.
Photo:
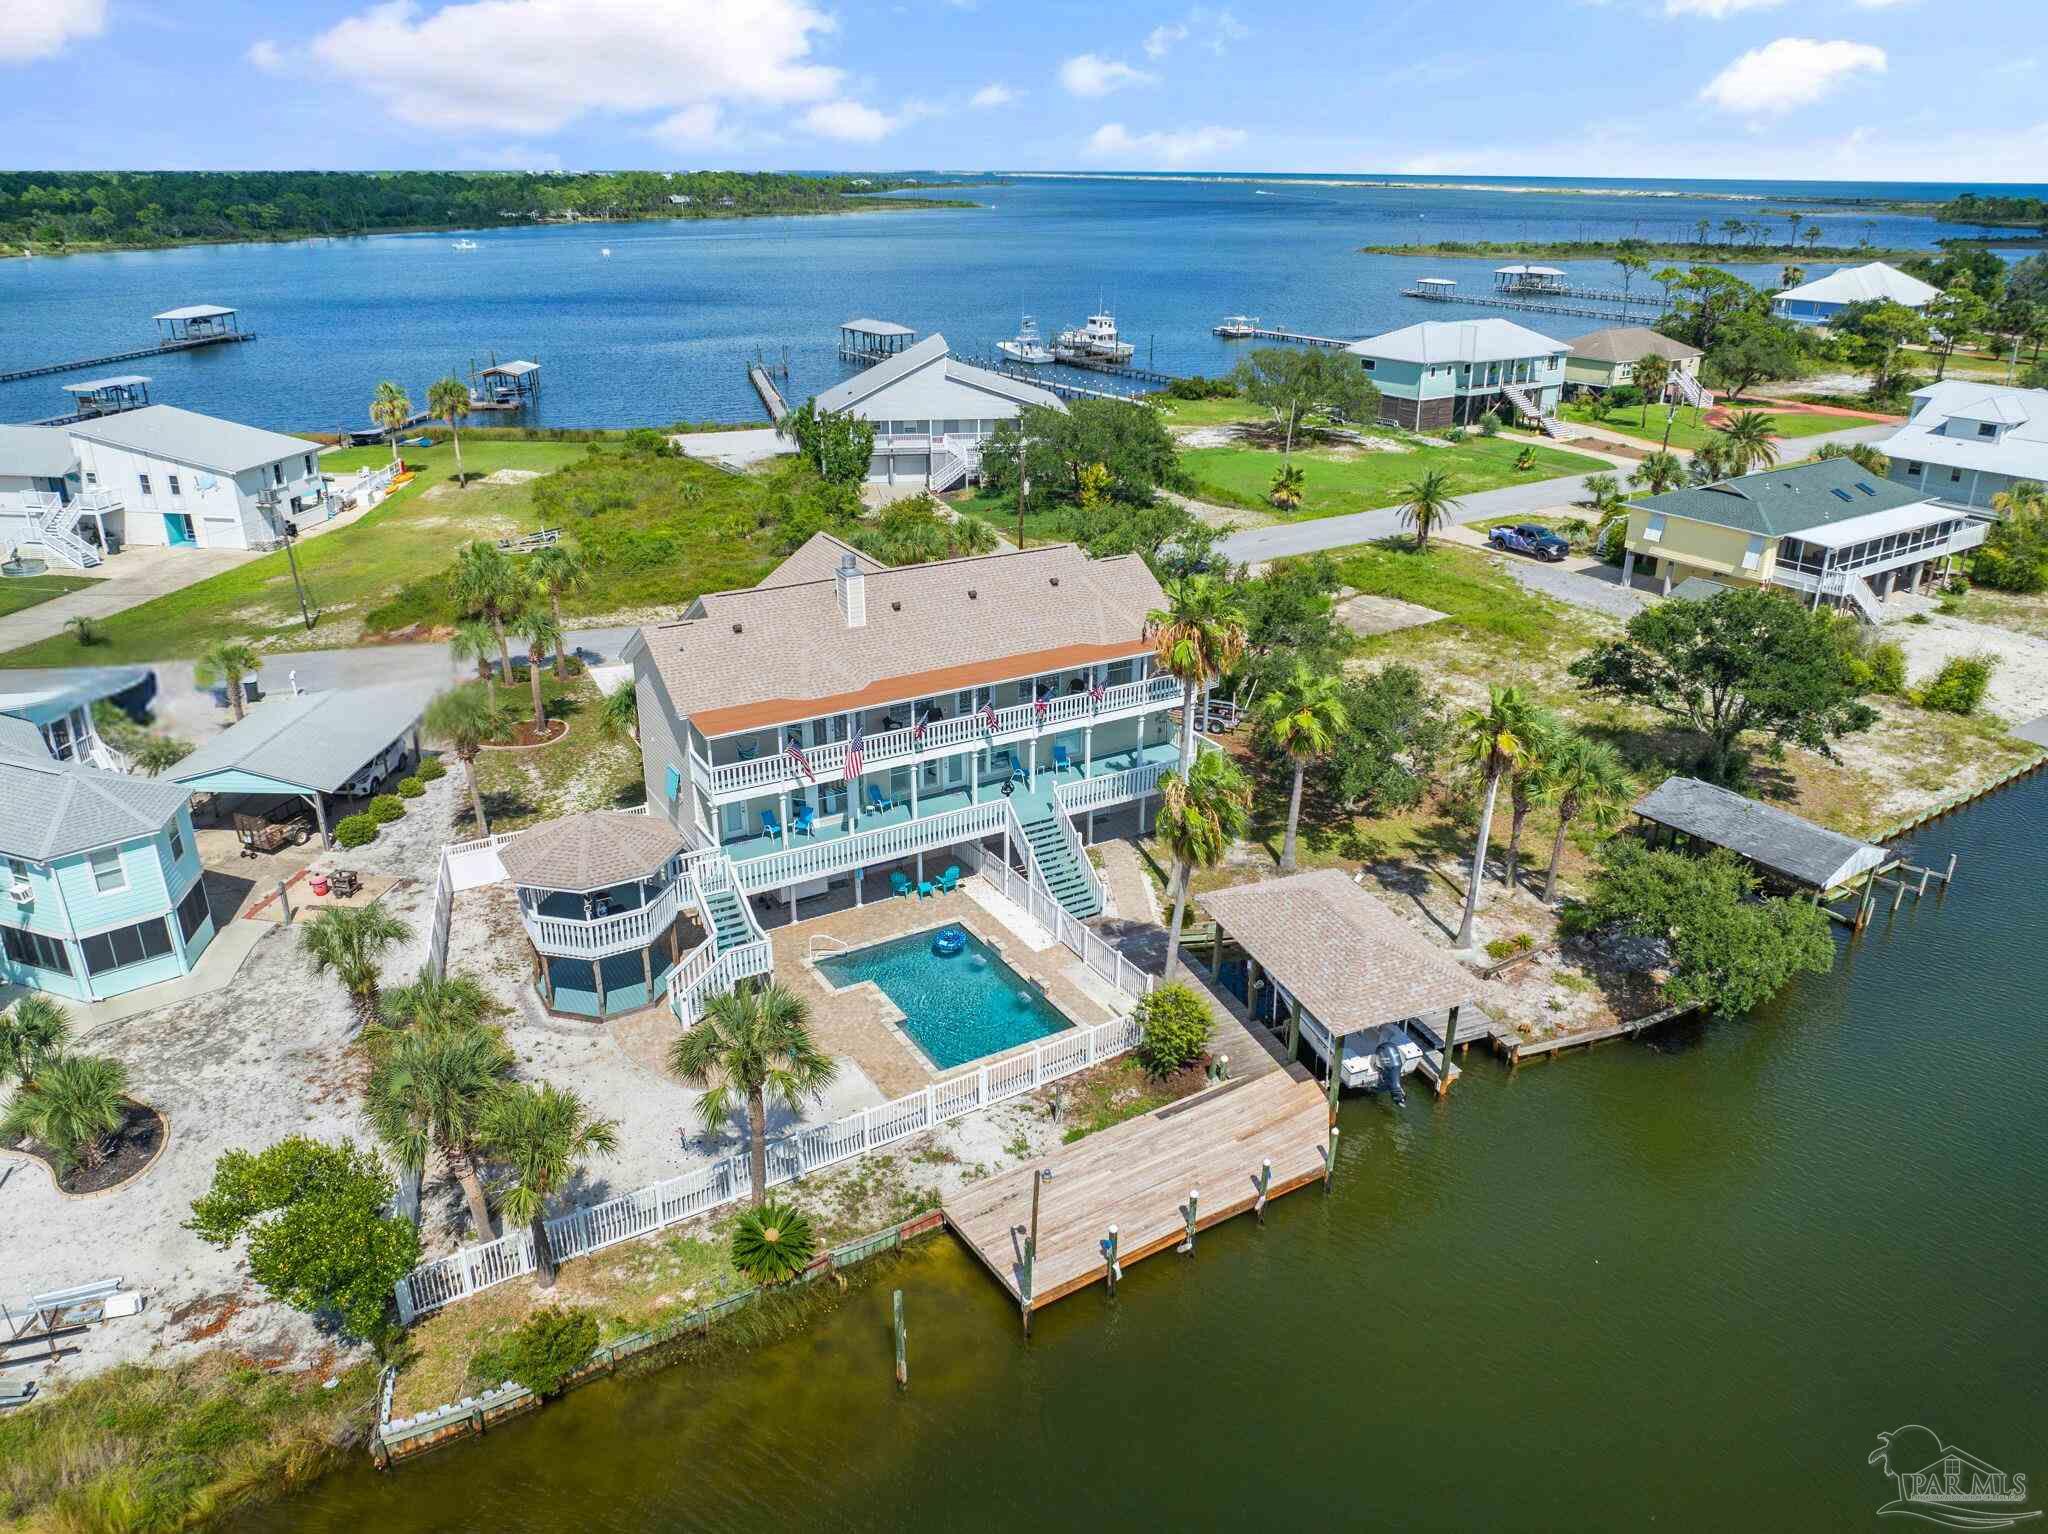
{"points": [[1655, 250], [1373, 183]]}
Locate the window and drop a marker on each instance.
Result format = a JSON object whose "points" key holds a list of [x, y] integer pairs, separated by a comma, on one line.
{"points": [[124, 946], [277, 474], [192, 909], [1753, 555], [1368, 364], [107, 873], [1955, 476], [91, 478], [1986, 429], [1912, 470], [176, 488], [177, 845], [143, 481], [35, 950], [309, 463], [1653, 530], [58, 733]]}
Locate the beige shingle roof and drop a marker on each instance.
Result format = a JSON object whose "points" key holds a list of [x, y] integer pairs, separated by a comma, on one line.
{"points": [[817, 560], [749, 658], [1629, 343], [590, 851], [1348, 959]]}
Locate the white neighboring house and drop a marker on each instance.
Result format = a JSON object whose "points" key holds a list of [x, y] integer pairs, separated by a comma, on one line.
{"points": [[1965, 442], [155, 476], [931, 413], [1819, 301]]}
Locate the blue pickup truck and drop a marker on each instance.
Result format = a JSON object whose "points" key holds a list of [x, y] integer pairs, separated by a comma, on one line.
{"points": [[1529, 538]]}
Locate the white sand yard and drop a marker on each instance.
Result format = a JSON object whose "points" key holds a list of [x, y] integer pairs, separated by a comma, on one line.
{"points": [[2019, 682]]}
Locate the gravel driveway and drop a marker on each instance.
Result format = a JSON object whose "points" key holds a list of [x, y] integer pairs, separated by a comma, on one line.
{"points": [[1602, 593]]}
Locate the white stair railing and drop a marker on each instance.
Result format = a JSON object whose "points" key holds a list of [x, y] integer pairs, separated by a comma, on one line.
{"points": [[50, 521], [1856, 590], [1691, 390]]}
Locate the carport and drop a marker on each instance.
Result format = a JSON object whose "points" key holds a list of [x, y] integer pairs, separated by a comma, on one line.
{"points": [[315, 746]]}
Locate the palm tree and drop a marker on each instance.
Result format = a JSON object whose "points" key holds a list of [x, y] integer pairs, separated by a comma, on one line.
{"points": [[489, 584], [750, 1048], [558, 568], [1581, 779], [473, 640], [618, 716], [348, 940], [1658, 472], [158, 753], [229, 661], [1791, 276], [390, 409], [1302, 715], [32, 1034], [1702, 228], [545, 1134], [465, 720], [1427, 503], [1748, 441], [538, 628], [1493, 742], [72, 1106], [434, 1001], [1201, 813], [431, 1092], [1196, 637], [1652, 375], [1288, 480], [448, 400], [1542, 736], [1865, 455]]}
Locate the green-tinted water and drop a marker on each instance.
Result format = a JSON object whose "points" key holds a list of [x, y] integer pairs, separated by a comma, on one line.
{"points": [[1683, 1284]]}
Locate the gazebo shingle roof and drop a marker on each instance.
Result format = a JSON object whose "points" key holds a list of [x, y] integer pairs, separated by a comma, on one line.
{"points": [[1339, 952], [594, 850]]}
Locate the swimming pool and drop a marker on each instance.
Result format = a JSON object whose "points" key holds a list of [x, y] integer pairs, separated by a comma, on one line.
{"points": [[954, 1009]]}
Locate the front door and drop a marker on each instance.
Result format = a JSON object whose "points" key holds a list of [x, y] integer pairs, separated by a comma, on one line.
{"points": [[178, 530]]}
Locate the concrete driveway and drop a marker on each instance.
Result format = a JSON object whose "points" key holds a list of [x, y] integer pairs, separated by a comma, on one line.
{"points": [[127, 580]]}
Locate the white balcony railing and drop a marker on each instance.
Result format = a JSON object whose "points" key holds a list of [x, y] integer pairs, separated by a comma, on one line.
{"points": [[1020, 721], [568, 938], [1109, 788], [841, 854]]}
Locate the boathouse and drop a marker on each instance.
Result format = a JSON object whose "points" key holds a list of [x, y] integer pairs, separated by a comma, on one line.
{"points": [[104, 396], [1787, 850], [1315, 954], [1449, 373], [506, 386], [196, 322], [867, 342]]}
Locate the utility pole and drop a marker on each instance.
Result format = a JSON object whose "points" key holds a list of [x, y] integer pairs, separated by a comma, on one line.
{"points": [[267, 499]]}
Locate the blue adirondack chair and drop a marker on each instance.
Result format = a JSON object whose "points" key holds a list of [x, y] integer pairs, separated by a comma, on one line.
{"points": [[949, 880], [802, 822], [876, 803], [899, 882], [1061, 760], [770, 825]]}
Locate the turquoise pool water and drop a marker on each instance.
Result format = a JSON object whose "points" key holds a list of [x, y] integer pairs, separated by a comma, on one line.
{"points": [[956, 1009]]}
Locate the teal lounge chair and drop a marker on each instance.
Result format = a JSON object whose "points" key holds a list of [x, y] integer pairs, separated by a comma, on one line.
{"points": [[899, 883], [770, 826], [1061, 760], [949, 880], [876, 803]]}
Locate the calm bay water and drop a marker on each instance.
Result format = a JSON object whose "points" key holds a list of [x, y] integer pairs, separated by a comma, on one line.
{"points": [[661, 328], [1682, 1284]]}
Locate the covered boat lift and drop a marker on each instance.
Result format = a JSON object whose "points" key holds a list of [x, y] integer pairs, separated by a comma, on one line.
{"points": [[196, 322], [104, 396]]}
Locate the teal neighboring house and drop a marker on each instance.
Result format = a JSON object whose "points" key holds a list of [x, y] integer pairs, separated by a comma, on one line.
{"points": [[102, 891], [1444, 373]]}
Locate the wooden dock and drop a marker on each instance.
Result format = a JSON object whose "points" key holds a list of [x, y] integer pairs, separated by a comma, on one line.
{"points": [[1517, 1050], [160, 349], [771, 397], [1299, 338], [1051, 385], [1138, 1177], [1526, 305]]}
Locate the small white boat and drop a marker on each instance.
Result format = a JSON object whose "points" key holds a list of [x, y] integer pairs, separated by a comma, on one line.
{"points": [[604, 250], [1095, 341], [1237, 327], [1025, 346], [465, 244]]}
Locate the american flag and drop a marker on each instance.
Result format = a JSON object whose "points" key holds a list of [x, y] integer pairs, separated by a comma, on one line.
{"points": [[1038, 705], [988, 713], [853, 752], [793, 749], [917, 730], [1096, 691]]}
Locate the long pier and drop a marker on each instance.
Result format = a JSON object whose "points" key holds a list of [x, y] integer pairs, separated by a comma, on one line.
{"points": [[1300, 338], [1052, 385], [162, 348], [1118, 370], [771, 397], [1510, 301]]}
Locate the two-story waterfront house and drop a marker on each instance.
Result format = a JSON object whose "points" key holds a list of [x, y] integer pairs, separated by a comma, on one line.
{"points": [[1827, 531], [154, 476], [1819, 301], [1442, 373], [931, 413], [1606, 359], [100, 882], [1967, 442], [853, 728]]}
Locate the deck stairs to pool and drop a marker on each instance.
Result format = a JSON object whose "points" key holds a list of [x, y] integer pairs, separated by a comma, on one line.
{"points": [[728, 918], [1059, 858], [735, 949]]}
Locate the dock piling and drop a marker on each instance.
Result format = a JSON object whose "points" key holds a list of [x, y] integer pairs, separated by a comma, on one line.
{"points": [[1265, 1185], [1187, 1247], [902, 1354], [1330, 1158], [1115, 1272]]}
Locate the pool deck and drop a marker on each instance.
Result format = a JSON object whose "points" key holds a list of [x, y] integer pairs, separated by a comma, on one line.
{"points": [[1137, 1176]]}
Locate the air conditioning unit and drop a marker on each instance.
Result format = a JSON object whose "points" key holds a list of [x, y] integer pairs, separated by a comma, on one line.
{"points": [[22, 891]]}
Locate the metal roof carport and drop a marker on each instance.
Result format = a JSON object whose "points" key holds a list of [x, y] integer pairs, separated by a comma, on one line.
{"points": [[309, 745]]}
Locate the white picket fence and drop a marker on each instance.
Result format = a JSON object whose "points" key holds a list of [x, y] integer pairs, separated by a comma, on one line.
{"points": [[583, 1231]]}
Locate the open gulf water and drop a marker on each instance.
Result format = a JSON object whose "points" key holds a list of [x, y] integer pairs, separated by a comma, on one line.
{"points": [[1677, 1284], [660, 329]]}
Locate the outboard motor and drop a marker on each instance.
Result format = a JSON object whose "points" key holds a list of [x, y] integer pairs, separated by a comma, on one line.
{"points": [[1388, 1059]]}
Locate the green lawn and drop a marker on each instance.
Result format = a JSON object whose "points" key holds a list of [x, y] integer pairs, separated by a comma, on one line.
{"points": [[1646, 423], [1207, 412], [1000, 513], [1341, 480], [660, 530], [22, 591]]}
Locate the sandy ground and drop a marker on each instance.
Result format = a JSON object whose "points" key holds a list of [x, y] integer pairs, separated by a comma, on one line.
{"points": [[2019, 682]]}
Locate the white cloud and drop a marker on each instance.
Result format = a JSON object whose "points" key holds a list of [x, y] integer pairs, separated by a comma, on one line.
{"points": [[855, 122], [1184, 146], [266, 56], [1163, 38], [1217, 30], [1789, 73], [997, 95], [1717, 10], [694, 127], [512, 157], [534, 66], [1090, 74], [35, 29]]}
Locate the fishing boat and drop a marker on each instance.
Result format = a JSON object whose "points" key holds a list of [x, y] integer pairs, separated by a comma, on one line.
{"points": [[1025, 346], [1237, 327], [465, 244], [1095, 341]]}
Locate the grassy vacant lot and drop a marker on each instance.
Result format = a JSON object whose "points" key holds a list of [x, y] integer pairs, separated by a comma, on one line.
{"points": [[20, 591], [1000, 513], [1207, 412], [1647, 423], [660, 529], [1343, 479]]}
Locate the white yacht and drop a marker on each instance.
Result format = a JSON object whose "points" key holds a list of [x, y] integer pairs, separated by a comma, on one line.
{"points": [[465, 244], [1026, 346], [1237, 327], [1095, 341]]}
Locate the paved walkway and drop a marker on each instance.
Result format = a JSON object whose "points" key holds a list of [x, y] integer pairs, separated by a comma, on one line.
{"points": [[126, 580]]}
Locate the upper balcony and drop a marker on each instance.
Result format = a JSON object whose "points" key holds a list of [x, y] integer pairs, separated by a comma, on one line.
{"points": [[597, 884], [894, 736]]}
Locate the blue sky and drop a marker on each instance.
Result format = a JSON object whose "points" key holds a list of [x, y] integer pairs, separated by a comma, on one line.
{"points": [[1798, 89]]}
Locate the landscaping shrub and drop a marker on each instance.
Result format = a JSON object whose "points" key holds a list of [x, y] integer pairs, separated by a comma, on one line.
{"points": [[550, 1345], [386, 808], [1959, 687], [1508, 947], [1525, 459], [1624, 397], [1455, 435], [773, 1244], [410, 788], [356, 831], [430, 770], [1489, 424], [1887, 667], [1173, 1027], [1201, 388]]}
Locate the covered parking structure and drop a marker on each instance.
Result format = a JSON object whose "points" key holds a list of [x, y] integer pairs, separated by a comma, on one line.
{"points": [[1345, 973], [315, 746]]}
